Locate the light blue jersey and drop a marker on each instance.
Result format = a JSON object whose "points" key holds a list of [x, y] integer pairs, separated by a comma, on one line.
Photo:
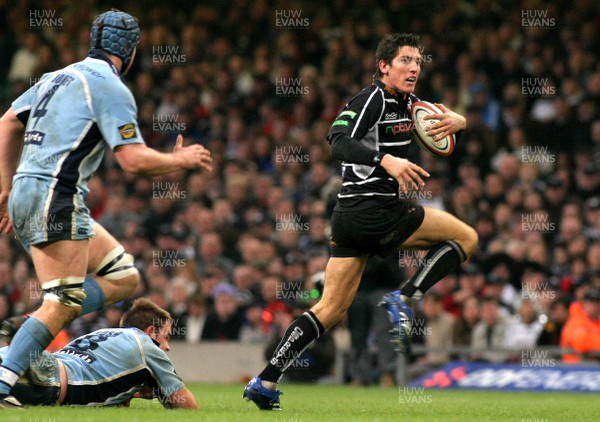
{"points": [[70, 116], [104, 368]]}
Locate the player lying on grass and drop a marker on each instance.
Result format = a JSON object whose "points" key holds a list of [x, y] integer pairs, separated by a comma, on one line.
{"points": [[109, 367]]}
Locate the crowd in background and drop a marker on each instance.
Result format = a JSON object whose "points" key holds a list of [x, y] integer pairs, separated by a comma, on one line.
{"points": [[233, 254]]}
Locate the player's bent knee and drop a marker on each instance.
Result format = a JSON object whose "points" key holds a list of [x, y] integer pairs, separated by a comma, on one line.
{"points": [[470, 240], [67, 291], [117, 265], [130, 283]]}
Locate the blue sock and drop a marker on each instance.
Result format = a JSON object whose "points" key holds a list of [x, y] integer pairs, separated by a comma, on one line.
{"points": [[94, 300], [27, 345]]}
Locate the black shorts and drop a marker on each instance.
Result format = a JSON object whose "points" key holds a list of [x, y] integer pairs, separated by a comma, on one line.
{"points": [[374, 231]]}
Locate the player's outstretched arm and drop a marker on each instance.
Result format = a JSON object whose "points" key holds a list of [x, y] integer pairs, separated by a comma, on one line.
{"points": [[142, 160], [11, 144], [181, 399], [449, 122]]}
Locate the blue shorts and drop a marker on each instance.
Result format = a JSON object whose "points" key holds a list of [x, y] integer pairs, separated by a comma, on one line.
{"points": [[41, 214]]}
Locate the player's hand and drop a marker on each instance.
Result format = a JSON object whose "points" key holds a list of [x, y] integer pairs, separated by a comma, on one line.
{"points": [[5, 221], [192, 156], [407, 174], [145, 393], [449, 123]]}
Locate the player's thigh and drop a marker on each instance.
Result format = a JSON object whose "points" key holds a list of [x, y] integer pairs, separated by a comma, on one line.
{"points": [[342, 277], [100, 246], [62, 258], [437, 227]]}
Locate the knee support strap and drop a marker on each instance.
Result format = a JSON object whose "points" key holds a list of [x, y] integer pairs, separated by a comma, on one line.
{"points": [[117, 264], [67, 291]]}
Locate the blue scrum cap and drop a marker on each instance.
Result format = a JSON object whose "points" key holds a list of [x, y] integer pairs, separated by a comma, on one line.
{"points": [[117, 33]]}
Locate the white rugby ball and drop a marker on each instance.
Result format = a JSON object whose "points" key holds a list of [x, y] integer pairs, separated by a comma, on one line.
{"points": [[439, 147]]}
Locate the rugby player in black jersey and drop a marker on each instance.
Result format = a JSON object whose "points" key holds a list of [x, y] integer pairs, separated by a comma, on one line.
{"points": [[371, 136]]}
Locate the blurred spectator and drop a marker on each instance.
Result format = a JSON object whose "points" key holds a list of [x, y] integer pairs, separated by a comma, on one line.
{"points": [[552, 331], [438, 326], [253, 330], [524, 328], [5, 307], [210, 251], [495, 287], [225, 321], [113, 315], [470, 284], [26, 58], [464, 325], [582, 330], [490, 333], [195, 318]]}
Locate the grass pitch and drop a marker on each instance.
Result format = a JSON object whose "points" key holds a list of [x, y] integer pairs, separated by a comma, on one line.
{"points": [[309, 403]]}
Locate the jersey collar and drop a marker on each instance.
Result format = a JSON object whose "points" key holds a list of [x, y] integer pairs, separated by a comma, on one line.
{"points": [[392, 92], [130, 327], [98, 54]]}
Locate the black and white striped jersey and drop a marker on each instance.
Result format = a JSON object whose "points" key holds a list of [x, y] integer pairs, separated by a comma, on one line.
{"points": [[379, 118]]}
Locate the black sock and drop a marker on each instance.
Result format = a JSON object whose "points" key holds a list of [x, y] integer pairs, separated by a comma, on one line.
{"points": [[439, 262], [303, 331]]}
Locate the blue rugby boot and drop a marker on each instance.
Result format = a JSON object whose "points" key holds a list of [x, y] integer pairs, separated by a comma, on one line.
{"points": [[400, 315], [264, 398]]}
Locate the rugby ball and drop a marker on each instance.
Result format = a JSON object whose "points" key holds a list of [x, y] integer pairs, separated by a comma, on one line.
{"points": [[440, 147]]}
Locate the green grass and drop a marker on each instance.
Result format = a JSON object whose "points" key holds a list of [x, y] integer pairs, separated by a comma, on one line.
{"points": [[309, 403]]}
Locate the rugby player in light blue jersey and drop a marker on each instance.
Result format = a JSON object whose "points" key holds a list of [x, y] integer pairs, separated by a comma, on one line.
{"points": [[109, 366], [69, 117]]}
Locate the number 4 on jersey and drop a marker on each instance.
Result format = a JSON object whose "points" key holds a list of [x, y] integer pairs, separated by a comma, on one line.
{"points": [[41, 110]]}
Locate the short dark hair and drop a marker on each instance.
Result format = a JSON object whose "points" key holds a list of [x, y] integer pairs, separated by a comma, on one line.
{"points": [[388, 48], [144, 314]]}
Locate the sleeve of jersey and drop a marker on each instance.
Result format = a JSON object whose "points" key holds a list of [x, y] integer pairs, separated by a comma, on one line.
{"points": [[162, 370], [22, 105], [353, 123], [116, 115]]}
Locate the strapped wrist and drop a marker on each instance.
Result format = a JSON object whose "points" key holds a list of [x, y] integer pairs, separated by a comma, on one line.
{"points": [[377, 158]]}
